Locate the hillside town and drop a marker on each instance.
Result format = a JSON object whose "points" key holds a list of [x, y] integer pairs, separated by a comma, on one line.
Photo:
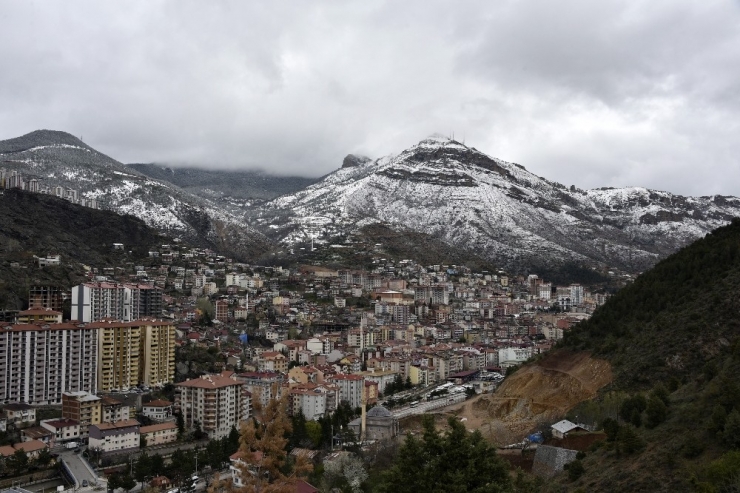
{"points": [[186, 345]]}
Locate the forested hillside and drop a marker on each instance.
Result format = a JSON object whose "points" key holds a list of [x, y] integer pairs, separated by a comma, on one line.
{"points": [[672, 413]]}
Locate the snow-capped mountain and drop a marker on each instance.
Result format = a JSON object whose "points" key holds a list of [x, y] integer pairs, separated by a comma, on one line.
{"points": [[58, 159], [497, 209]]}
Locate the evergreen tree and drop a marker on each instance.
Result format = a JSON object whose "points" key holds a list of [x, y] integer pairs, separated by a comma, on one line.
{"points": [[180, 424], [655, 413], [731, 434], [455, 462], [629, 441], [143, 467], [18, 462]]}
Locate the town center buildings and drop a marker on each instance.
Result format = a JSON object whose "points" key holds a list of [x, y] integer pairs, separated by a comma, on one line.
{"points": [[38, 363]]}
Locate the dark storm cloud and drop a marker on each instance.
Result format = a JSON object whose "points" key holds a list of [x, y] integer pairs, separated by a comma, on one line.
{"points": [[588, 93]]}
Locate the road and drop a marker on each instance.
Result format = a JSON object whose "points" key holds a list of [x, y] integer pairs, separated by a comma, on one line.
{"points": [[424, 407], [77, 467]]}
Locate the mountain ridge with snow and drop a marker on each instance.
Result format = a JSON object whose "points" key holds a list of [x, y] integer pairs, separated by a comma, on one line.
{"points": [[59, 159], [497, 209]]}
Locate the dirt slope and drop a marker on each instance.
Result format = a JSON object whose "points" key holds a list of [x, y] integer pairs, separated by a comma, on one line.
{"points": [[537, 393]]}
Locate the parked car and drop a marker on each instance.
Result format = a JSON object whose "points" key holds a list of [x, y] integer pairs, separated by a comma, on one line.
{"points": [[85, 483]]}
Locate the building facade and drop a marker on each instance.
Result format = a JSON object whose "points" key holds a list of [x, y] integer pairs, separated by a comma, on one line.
{"points": [[92, 302], [40, 362], [217, 402], [112, 437]]}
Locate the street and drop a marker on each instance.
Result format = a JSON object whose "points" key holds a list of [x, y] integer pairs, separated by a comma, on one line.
{"points": [[424, 407]]}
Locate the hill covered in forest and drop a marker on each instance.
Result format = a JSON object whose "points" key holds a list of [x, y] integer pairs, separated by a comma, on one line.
{"points": [[672, 411], [38, 225]]}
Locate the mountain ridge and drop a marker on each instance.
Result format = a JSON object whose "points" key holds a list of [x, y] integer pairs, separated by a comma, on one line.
{"points": [[60, 159], [497, 209]]}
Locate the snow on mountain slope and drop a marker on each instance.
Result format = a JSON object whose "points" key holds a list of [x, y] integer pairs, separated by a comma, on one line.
{"points": [[497, 209], [59, 159]]}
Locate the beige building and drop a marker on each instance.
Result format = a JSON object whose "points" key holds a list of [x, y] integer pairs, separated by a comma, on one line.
{"points": [[158, 434], [40, 316], [120, 350], [158, 350], [273, 361], [136, 352], [217, 402]]}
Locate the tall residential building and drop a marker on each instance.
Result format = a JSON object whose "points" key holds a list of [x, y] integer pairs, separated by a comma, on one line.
{"points": [[157, 367], [119, 349], [217, 402], [92, 302], [40, 362], [136, 352], [350, 388], [576, 294], [434, 295], [50, 297]]}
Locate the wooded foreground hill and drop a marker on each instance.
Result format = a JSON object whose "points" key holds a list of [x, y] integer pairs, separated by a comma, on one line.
{"points": [[41, 225], [672, 411]]}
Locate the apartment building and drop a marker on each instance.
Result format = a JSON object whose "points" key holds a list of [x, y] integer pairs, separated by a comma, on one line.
{"points": [[218, 402], [136, 352], [272, 361], [158, 349], [95, 301], [120, 351], [158, 434], [350, 388], [113, 410], [434, 295], [262, 386], [118, 436], [40, 362], [82, 407]]}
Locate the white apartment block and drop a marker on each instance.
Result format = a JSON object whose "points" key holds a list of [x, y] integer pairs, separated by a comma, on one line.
{"points": [[40, 362], [434, 295], [118, 436], [309, 401], [350, 388], [92, 302], [513, 356]]}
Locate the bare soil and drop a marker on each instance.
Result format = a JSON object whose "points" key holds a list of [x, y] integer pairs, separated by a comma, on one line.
{"points": [[536, 394]]}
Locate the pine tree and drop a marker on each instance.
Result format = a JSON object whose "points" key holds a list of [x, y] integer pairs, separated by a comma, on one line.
{"points": [[655, 413], [455, 462]]}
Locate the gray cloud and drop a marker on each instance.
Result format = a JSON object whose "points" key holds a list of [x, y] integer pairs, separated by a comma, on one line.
{"points": [[589, 93]]}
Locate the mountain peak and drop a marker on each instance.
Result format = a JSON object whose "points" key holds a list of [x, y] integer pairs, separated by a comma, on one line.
{"points": [[352, 160], [39, 138]]}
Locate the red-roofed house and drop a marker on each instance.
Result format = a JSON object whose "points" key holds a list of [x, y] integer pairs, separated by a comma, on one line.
{"points": [[273, 361], [158, 410], [159, 433]]}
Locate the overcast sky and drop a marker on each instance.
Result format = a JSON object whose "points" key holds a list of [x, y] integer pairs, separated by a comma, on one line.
{"points": [[591, 93]]}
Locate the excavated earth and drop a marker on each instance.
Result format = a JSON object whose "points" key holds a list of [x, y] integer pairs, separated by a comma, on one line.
{"points": [[537, 393]]}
